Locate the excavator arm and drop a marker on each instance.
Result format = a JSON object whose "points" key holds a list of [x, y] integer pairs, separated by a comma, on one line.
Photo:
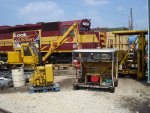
{"points": [[61, 40]]}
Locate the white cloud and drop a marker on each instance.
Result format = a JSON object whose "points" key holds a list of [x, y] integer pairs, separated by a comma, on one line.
{"points": [[96, 2], [41, 11], [96, 19], [91, 14]]}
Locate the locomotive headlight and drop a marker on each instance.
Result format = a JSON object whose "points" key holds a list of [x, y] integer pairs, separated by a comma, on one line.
{"points": [[86, 23]]}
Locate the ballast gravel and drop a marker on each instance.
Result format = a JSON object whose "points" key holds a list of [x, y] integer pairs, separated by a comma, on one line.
{"points": [[131, 96]]}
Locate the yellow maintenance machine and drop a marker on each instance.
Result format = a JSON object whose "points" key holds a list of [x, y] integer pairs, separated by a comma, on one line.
{"points": [[28, 54], [132, 61]]}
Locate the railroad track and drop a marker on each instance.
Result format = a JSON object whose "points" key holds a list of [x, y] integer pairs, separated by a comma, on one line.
{"points": [[4, 111], [62, 66]]}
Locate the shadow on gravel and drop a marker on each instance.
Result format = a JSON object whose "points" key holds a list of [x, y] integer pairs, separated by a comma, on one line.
{"points": [[136, 105], [96, 89], [15, 90], [66, 83], [142, 81]]}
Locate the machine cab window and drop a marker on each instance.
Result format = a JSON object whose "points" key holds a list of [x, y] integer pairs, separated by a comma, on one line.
{"points": [[102, 56], [86, 56], [83, 56], [27, 51]]}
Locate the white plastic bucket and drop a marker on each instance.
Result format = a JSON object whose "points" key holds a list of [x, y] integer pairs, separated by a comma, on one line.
{"points": [[18, 77]]}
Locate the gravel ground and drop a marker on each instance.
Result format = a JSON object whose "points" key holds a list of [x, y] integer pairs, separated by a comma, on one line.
{"points": [[131, 96]]}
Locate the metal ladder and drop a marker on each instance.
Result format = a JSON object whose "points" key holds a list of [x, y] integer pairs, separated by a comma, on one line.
{"points": [[130, 54]]}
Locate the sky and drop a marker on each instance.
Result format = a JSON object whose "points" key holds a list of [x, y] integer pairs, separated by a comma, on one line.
{"points": [[103, 13]]}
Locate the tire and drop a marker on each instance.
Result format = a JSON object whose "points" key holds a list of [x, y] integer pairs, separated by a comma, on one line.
{"points": [[75, 87], [116, 83], [112, 89], [10, 84]]}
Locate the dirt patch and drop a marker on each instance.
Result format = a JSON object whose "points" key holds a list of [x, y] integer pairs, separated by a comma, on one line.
{"points": [[136, 105]]}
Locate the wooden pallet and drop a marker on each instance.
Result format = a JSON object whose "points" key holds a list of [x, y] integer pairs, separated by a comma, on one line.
{"points": [[55, 88]]}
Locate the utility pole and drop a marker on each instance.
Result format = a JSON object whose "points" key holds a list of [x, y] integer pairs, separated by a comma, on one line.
{"points": [[131, 20], [148, 41]]}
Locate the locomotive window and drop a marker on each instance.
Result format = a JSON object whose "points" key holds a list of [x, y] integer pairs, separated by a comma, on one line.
{"points": [[84, 28], [52, 26], [63, 30], [27, 51]]}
